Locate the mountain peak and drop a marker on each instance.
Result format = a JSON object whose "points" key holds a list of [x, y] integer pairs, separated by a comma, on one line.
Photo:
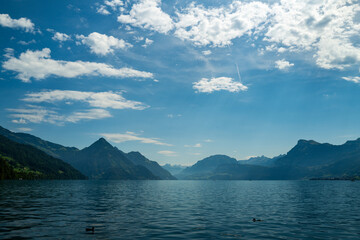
{"points": [[307, 142], [101, 143]]}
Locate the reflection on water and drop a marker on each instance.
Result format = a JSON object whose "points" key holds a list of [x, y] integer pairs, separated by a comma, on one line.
{"points": [[180, 209]]}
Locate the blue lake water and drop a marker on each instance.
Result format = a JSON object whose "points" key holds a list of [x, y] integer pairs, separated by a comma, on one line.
{"points": [[180, 209]]}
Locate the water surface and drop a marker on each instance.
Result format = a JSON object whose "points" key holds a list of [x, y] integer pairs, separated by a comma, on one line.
{"points": [[180, 209]]}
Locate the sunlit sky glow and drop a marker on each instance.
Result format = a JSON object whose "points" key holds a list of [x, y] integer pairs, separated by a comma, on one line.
{"points": [[182, 80]]}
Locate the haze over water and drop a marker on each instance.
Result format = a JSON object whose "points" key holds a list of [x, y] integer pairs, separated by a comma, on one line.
{"points": [[179, 209]]}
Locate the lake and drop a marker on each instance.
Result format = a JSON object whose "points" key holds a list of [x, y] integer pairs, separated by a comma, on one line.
{"points": [[180, 209]]}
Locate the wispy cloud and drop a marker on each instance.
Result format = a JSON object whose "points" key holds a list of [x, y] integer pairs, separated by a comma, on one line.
{"points": [[197, 145], [39, 65], [94, 99], [22, 23], [168, 153], [101, 44], [38, 114], [206, 85], [355, 79], [24, 129], [130, 136]]}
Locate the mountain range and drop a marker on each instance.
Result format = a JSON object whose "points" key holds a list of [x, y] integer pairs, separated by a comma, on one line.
{"points": [[308, 159], [98, 161]]}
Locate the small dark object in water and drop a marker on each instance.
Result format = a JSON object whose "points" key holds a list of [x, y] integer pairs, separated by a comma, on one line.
{"points": [[256, 220], [92, 229]]}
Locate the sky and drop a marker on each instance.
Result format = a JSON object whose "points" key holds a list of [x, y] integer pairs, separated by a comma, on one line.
{"points": [[182, 80]]}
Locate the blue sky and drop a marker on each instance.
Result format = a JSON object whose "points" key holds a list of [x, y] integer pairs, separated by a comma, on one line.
{"points": [[181, 80]]}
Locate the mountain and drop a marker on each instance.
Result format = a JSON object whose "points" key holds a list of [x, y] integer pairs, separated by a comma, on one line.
{"points": [[103, 161], [260, 161], [27, 162], [53, 149], [138, 159], [98, 161], [205, 167], [173, 169]]}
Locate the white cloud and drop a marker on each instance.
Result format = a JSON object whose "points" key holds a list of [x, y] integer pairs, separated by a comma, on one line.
{"points": [[61, 37], [102, 44], [130, 136], [216, 84], [26, 43], [219, 26], [102, 10], [208, 140], [94, 99], [37, 114], [148, 14], [24, 129], [147, 43], [283, 64], [198, 145], [114, 4], [352, 79], [39, 65], [89, 114], [168, 153], [23, 23], [206, 52], [327, 28]]}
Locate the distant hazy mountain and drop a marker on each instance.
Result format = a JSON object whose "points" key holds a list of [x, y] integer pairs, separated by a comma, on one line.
{"points": [[205, 167], [173, 169], [99, 161], [138, 159], [27, 162], [260, 161]]}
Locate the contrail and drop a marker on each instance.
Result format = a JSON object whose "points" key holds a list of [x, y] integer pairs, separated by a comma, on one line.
{"points": [[238, 72]]}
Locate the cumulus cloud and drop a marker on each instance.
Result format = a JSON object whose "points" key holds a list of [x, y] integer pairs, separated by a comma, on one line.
{"points": [[61, 37], [94, 99], [352, 79], [148, 14], [219, 26], [168, 153], [283, 64], [113, 4], [206, 85], [130, 136], [327, 28], [102, 44], [39, 65], [37, 114], [22, 23], [147, 43]]}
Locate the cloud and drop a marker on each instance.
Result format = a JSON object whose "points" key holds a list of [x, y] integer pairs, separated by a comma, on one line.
{"points": [[37, 114], [39, 65], [328, 28], [168, 153], [22, 23], [147, 43], [24, 129], [94, 99], [148, 14], [114, 3], [102, 10], [61, 37], [219, 26], [206, 52], [102, 44], [216, 84], [208, 140], [130, 136], [283, 64], [26, 43], [198, 145], [352, 79]]}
